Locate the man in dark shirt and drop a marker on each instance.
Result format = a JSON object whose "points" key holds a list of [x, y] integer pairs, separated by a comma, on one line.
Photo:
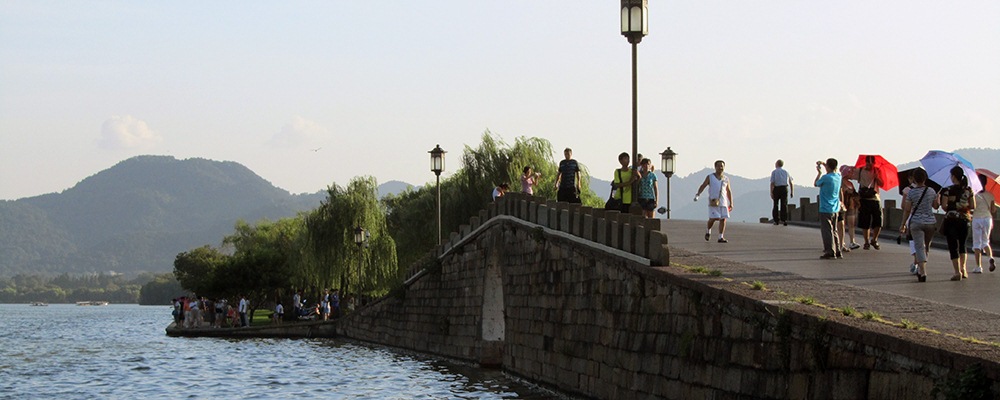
{"points": [[568, 180]]}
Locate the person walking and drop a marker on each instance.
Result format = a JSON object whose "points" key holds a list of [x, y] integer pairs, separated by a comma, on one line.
{"points": [[781, 190], [279, 313], [982, 224], [958, 202], [720, 200], [918, 219], [870, 212], [829, 207], [852, 202], [649, 194], [568, 179], [622, 183]]}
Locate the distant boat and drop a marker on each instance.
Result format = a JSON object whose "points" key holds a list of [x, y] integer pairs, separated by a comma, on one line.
{"points": [[39, 304], [92, 303]]}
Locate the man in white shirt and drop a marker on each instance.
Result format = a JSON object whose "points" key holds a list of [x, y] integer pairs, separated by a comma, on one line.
{"points": [[244, 306], [781, 190]]}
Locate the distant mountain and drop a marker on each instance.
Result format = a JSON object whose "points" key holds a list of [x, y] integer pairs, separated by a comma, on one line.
{"points": [[392, 187], [137, 215]]}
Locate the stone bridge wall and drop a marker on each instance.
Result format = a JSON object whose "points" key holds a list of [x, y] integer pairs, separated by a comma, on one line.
{"points": [[529, 291]]}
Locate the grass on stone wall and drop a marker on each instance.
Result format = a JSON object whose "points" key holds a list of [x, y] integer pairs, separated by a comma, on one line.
{"points": [[847, 310]]}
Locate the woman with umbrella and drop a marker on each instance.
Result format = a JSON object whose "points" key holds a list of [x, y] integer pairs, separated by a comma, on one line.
{"points": [[873, 173], [958, 202]]}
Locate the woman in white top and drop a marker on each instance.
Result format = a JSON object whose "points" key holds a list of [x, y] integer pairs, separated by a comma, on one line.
{"points": [[720, 200], [982, 224]]}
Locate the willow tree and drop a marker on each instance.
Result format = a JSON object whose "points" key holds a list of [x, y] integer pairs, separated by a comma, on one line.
{"points": [[411, 213], [331, 239]]}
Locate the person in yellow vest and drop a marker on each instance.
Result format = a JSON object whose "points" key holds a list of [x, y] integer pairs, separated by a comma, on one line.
{"points": [[623, 181]]}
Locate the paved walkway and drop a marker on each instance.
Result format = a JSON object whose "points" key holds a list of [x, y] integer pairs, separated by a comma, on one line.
{"points": [[781, 256]]}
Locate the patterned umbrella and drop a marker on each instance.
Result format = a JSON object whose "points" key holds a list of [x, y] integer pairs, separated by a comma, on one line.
{"points": [[992, 183], [885, 170], [939, 164]]}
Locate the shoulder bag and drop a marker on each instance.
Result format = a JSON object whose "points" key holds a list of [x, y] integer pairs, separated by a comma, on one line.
{"points": [[613, 203]]}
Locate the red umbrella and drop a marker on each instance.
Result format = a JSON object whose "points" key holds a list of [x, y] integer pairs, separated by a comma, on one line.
{"points": [[885, 170], [992, 183]]}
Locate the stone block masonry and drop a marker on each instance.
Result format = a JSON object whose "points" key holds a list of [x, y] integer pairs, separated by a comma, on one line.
{"points": [[593, 320]]}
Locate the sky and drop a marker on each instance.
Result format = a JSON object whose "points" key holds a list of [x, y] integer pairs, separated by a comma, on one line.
{"points": [[312, 93]]}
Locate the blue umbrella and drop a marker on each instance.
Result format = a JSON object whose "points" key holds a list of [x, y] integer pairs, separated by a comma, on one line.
{"points": [[939, 164]]}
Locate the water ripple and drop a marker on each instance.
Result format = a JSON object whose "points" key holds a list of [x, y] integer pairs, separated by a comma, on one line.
{"points": [[120, 351]]}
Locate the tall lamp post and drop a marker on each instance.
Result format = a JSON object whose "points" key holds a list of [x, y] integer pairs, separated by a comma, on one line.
{"points": [[437, 165], [635, 25], [359, 239], [667, 166]]}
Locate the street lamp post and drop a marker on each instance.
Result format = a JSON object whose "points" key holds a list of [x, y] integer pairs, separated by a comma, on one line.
{"points": [[359, 239], [437, 165], [667, 166], [635, 25]]}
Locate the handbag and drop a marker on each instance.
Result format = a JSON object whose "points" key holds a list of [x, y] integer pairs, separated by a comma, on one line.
{"points": [[613, 203]]}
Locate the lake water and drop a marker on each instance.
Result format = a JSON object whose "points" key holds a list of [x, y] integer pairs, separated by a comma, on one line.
{"points": [[121, 352]]}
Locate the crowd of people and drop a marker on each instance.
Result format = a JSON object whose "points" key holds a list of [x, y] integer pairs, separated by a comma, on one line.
{"points": [[844, 208], [199, 312]]}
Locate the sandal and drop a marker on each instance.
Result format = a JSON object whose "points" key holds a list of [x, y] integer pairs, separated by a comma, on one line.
{"points": [[956, 277], [993, 264]]}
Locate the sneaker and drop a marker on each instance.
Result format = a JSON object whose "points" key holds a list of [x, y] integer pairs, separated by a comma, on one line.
{"points": [[977, 270], [775, 223], [867, 246], [913, 269], [708, 236], [993, 265], [855, 246], [875, 245], [723, 240], [827, 257], [785, 223]]}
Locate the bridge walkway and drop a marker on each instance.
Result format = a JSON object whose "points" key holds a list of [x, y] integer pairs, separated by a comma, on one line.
{"points": [[780, 256]]}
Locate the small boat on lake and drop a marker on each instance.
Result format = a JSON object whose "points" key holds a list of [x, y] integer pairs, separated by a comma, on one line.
{"points": [[92, 303], [39, 304]]}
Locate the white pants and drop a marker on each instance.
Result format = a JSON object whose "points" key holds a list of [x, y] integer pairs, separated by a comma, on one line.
{"points": [[981, 228]]}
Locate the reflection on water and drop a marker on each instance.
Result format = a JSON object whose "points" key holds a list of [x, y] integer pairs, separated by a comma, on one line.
{"points": [[121, 351]]}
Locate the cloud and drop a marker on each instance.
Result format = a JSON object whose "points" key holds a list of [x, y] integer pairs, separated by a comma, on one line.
{"points": [[127, 132], [300, 132]]}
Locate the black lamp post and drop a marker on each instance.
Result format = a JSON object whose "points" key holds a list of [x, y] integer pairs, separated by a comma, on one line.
{"points": [[635, 25], [359, 239], [437, 165], [667, 166]]}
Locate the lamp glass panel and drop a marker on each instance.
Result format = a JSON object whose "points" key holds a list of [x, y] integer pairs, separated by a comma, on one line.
{"points": [[645, 21], [668, 164], [625, 19], [635, 20]]}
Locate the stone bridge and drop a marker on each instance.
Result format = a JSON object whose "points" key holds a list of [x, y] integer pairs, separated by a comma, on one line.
{"points": [[598, 304]]}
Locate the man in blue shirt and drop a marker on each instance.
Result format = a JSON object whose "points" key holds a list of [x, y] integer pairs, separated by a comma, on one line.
{"points": [[829, 207]]}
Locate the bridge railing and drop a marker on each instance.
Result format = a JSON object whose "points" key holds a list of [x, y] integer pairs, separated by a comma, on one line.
{"points": [[630, 233]]}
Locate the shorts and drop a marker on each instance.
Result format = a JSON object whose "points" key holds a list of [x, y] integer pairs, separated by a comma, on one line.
{"points": [[981, 228], [870, 214], [720, 212], [647, 204]]}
